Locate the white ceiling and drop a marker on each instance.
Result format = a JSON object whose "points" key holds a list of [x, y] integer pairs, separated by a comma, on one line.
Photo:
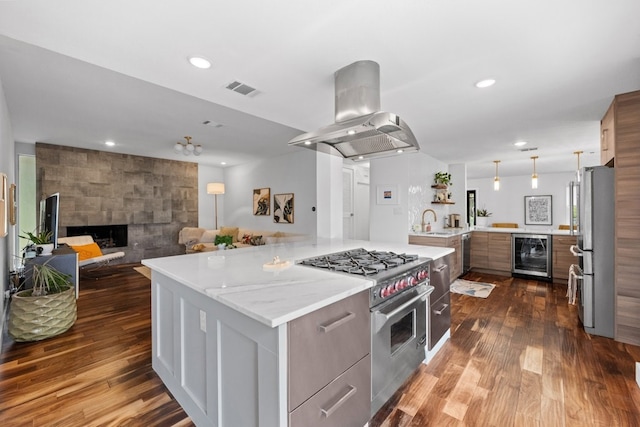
{"points": [[79, 72]]}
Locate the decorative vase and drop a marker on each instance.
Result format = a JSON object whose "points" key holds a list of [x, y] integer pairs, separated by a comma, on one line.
{"points": [[36, 318]]}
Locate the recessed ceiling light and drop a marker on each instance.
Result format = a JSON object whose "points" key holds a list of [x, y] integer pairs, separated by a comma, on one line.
{"points": [[520, 143], [485, 83], [110, 143], [200, 62], [400, 151], [223, 163], [351, 132]]}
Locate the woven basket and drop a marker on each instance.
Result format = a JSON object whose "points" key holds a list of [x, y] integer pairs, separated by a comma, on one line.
{"points": [[37, 318]]}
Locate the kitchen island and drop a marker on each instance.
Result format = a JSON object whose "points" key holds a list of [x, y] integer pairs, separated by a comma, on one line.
{"points": [[222, 340]]}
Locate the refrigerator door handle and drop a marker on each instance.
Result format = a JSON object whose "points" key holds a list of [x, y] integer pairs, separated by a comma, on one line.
{"points": [[575, 250]]}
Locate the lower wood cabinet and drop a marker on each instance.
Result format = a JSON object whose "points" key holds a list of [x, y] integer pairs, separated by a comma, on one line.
{"points": [[491, 251], [499, 251], [562, 257], [454, 260]]}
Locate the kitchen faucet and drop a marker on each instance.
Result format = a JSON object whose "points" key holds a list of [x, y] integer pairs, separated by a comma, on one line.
{"points": [[435, 219]]}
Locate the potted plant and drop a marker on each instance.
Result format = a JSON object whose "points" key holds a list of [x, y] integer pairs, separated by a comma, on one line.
{"points": [[482, 217], [442, 180], [42, 241], [47, 309]]}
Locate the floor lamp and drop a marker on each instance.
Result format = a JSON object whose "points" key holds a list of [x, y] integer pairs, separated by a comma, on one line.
{"points": [[215, 188]]}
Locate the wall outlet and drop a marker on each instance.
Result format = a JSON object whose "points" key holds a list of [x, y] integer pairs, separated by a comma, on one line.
{"points": [[203, 321]]}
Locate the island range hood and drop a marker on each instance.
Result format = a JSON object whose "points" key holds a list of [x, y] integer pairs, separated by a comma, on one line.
{"points": [[361, 131]]}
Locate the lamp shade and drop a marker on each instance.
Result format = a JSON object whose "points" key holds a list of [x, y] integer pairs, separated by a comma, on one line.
{"points": [[215, 188]]}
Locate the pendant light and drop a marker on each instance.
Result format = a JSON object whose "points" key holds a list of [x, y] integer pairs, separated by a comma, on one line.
{"points": [[534, 177], [496, 180], [577, 153]]}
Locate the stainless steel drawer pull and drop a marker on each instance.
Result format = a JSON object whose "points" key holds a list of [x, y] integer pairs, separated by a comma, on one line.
{"points": [[439, 312], [331, 326], [327, 412]]}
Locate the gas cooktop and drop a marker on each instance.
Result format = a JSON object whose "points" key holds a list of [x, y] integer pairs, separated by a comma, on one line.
{"points": [[375, 265]]}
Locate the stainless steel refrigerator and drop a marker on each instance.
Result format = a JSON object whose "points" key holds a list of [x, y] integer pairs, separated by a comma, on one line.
{"points": [[595, 249]]}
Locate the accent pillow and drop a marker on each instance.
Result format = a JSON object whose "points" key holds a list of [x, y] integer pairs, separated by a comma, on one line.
{"points": [[227, 240], [208, 236], [91, 250], [230, 231], [246, 239], [256, 241]]}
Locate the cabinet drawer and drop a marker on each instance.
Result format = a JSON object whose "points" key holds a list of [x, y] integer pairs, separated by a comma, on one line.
{"points": [[325, 343], [345, 402]]}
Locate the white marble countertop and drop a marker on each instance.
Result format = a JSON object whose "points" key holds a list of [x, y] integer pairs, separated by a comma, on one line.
{"points": [[448, 232], [238, 279]]}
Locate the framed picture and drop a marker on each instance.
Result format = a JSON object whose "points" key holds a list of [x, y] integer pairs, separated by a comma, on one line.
{"points": [[12, 204], [538, 210], [262, 201], [283, 208], [387, 195]]}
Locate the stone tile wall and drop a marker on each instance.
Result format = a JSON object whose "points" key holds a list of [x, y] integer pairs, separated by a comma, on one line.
{"points": [[155, 197]]}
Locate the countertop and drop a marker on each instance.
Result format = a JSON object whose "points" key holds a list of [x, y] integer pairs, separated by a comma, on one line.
{"points": [[448, 232], [238, 279]]}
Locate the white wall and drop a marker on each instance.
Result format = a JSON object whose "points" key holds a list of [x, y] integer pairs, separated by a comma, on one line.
{"points": [[206, 202], [413, 175], [292, 173], [507, 204], [7, 166]]}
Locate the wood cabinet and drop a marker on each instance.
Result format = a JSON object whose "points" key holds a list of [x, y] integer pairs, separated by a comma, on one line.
{"points": [[454, 260], [626, 112], [608, 137], [479, 248], [562, 257], [491, 251], [499, 251]]}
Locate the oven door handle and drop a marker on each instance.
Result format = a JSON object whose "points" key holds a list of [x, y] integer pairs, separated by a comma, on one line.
{"points": [[382, 318]]}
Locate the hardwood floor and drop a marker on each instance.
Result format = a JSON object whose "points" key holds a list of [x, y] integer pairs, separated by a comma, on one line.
{"points": [[517, 358], [96, 374]]}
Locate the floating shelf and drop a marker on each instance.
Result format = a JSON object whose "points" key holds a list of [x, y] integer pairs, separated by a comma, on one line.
{"points": [[443, 203]]}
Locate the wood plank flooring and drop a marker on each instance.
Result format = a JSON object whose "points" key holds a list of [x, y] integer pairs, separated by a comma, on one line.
{"points": [[517, 358]]}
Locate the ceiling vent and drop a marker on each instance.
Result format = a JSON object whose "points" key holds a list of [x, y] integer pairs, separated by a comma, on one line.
{"points": [[529, 149], [241, 88], [212, 124]]}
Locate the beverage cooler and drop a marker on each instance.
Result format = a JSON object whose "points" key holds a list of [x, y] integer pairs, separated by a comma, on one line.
{"points": [[531, 255]]}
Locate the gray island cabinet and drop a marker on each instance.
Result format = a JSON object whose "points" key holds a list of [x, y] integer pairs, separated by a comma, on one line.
{"points": [[239, 343]]}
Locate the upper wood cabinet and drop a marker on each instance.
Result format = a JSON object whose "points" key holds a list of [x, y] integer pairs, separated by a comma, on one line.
{"points": [[608, 136], [627, 217]]}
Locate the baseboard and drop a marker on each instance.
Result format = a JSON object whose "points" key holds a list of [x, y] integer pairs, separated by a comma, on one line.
{"points": [[430, 354]]}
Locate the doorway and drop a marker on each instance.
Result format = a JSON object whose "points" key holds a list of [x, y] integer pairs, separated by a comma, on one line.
{"points": [[471, 207]]}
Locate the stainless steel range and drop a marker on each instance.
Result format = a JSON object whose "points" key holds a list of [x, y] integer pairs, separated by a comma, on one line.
{"points": [[398, 303]]}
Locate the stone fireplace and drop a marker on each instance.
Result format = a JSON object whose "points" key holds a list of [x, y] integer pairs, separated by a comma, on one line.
{"points": [[106, 236]]}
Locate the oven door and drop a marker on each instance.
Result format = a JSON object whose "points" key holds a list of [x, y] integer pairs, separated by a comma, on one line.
{"points": [[398, 338]]}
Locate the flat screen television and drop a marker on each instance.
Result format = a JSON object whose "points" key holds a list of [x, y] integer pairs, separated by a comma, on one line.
{"points": [[49, 208]]}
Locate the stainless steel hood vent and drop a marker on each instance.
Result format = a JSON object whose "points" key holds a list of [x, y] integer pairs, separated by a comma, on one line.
{"points": [[361, 130]]}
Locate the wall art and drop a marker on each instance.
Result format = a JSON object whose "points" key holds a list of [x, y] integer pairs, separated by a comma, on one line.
{"points": [[283, 208], [538, 210], [387, 195], [262, 201]]}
